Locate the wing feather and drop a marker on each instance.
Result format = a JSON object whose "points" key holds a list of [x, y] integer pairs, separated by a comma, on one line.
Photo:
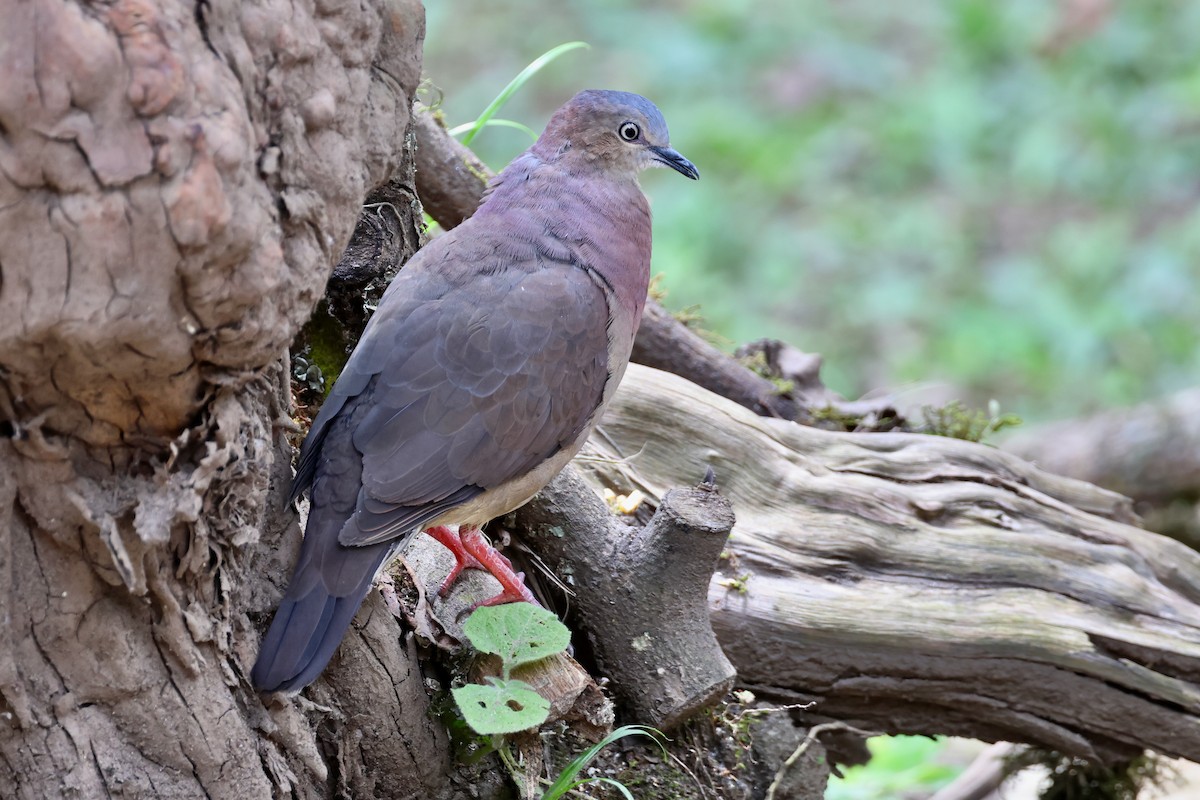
{"points": [[464, 395]]}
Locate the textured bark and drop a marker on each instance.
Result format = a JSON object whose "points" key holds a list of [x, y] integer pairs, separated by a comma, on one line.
{"points": [[658, 649], [176, 182], [919, 584]]}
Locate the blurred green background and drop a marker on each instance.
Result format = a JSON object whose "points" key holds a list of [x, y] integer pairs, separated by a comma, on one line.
{"points": [[998, 199]]}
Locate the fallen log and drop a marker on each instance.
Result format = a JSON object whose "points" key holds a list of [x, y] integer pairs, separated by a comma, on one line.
{"points": [[1150, 452], [920, 584]]}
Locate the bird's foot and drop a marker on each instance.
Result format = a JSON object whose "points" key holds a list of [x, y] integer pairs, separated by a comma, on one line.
{"points": [[472, 551], [500, 567], [451, 540]]}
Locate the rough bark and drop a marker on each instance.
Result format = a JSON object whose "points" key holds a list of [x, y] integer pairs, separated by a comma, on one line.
{"points": [[928, 585], [176, 182], [640, 593]]}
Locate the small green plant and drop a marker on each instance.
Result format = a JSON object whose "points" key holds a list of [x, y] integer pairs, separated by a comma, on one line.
{"points": [[470, 130], [956, 421], [566, 780], [519, 633], [308, 373]]}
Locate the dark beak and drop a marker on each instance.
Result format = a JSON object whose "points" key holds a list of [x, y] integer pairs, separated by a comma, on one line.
{"points": [[672, 159]]}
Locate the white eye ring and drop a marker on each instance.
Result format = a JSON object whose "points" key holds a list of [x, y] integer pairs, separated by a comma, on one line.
{"points": [[629, 132]]}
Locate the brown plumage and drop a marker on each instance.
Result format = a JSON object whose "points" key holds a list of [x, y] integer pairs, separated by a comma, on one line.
{"points": [[482, 372]]}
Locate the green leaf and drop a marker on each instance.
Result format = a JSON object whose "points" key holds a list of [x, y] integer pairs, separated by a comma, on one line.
{"points": [[516, 83], [520, 633], [501, 706], [898, 765]]}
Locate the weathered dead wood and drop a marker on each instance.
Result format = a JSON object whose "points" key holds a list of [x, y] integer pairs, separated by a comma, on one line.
{"points": [[922, 584], [1149, 452], [640, 593]]}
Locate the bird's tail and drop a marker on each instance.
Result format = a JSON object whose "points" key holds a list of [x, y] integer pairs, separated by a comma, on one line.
{"points": [[324, 594]]}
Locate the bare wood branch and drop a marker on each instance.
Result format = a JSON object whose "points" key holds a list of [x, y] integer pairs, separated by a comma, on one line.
{"points": [[665, 343], [450, 178], [918, 583], [1150, 451]]}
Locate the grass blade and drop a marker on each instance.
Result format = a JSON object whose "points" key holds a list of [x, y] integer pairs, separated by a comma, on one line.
{"points": [[566, 779], [516, 83], [498, 123]]}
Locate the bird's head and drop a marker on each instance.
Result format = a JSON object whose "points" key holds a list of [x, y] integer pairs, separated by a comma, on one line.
{"points": [[618, 132]]}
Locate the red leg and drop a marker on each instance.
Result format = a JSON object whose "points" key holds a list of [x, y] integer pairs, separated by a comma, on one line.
{"points": [[472, 551], [515, 591], [462, 559]]}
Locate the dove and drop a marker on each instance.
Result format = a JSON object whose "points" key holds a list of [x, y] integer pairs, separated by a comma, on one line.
{"points": [[487, 363]]}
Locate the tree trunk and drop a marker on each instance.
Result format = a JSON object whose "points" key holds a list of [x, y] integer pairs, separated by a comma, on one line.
{"points": [[176, 182]]}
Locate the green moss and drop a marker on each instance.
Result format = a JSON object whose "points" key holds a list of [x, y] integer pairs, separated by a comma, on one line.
{"points": [[478, 173], [690, 316], [325, 345], [956, 421], [837, 418], [757, 363]]}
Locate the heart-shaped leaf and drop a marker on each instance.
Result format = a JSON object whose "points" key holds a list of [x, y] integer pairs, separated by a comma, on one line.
{"points": [[520, 633], [501, 706]]}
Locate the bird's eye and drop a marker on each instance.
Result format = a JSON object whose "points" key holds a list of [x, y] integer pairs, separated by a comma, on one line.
{"points": [[629, 131]]}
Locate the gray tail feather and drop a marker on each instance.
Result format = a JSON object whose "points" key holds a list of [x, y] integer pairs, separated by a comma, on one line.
{"points": [[306, 631]]}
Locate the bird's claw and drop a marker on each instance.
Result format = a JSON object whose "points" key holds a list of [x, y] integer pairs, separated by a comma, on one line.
{"points": [[473, 551]]}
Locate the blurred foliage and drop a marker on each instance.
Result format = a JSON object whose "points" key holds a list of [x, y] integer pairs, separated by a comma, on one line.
{"points": [[900, 766], [1001, 196], [1074, 778]]}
